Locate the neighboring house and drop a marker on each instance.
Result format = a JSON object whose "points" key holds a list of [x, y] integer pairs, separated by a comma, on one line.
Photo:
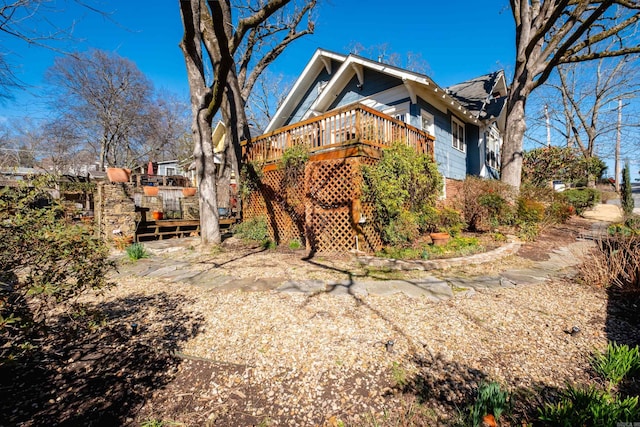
{"points": [[345, 109], [467, 119], [170, 168]]}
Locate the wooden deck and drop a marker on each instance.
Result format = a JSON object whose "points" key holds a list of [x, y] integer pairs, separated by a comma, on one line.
{"points": [[168, 228], [336, 130]]}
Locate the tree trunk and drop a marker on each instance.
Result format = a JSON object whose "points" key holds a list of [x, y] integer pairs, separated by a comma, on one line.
{"points": [[206, 175], [512, 147]]}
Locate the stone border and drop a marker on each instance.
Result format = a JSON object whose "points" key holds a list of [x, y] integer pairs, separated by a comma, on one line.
{"points": [[437, 264]]}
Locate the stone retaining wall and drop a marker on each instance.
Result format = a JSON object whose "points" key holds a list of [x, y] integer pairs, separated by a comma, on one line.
{"points": [[439, 264], [115, 210]]}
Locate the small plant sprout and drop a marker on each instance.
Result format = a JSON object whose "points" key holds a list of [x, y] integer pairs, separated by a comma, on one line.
{"points": [[137, 251]]}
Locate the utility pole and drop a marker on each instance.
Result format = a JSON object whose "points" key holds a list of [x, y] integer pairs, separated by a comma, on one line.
{"points": [[618, 138], [546, 116]]}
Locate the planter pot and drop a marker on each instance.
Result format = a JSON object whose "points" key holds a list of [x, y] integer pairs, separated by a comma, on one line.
{"points": [[118, 174], [439, 239], [189, 191], [157, 215], [150, 191]]}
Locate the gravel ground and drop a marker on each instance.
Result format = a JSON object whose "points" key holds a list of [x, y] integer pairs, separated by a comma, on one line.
{"points": [[301, 360], [271, 358]]}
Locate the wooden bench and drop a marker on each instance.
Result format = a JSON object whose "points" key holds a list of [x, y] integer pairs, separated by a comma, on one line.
{"points": [[174, 228]]}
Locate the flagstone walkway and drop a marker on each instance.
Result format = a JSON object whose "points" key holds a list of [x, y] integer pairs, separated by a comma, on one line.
{"points": [[171, 263]]}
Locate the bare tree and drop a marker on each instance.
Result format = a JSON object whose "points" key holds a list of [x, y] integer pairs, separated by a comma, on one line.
{"points": [[30, 21], [582, 98], [554, 32], [238, 50], [412, 61], [109, 104], [269, 93]]}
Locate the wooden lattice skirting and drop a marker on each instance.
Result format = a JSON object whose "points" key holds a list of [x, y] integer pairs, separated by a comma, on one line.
{"points": [[322, 206]]}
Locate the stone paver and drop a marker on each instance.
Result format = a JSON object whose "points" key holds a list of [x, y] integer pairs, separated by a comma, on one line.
{"points": [[561, 262]]}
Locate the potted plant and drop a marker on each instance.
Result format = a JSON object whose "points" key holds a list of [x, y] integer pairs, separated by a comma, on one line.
{"points": [[439, 238], [189, 191], [157, 215], [118, 174], [150, 190]]}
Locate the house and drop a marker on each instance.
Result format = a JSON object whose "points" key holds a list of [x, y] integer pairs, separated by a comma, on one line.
{"points": [[466, 119], [346, 108]]}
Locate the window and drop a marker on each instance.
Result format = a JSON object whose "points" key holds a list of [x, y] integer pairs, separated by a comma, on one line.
{"points": [[427, 122], [171, 171], [493, 148], [399, 112], [457, 134]]}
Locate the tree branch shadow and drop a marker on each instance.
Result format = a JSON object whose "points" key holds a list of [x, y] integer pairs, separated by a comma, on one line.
{"points": [[98, 369]]}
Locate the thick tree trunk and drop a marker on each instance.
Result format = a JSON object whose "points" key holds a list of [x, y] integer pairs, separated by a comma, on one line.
{"points": [[206, 175], [511, 172]]}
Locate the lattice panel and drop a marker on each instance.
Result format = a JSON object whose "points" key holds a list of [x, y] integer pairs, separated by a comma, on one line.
{"points": [[330, 231], [369, 239], [323, 216], [331, 183]]}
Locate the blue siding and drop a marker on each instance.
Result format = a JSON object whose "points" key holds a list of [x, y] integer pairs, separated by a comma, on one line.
{"points": [[374, 82], [452, 163], [311, 95]]}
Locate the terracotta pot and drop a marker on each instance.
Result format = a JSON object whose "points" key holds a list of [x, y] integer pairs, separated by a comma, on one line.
{"points": [[150, 191], [189, 191], [439, 238], [118, 174], [157, 215]]}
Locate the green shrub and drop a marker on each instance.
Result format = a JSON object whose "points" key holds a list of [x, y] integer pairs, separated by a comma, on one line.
{"points": [[530, 211], [401, 229], [559, 212], [137, 251], [294, 160], [626, 196], [401, 186], [581, 198], [484, 203], [252, 229], [589, 406], [490, 399], [450, 221], [616, 362], [44, 262], [456, 246]]}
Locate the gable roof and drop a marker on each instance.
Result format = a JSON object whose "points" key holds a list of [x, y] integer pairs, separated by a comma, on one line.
{"points": [[320, 59], [472, 100], [485, 95]]}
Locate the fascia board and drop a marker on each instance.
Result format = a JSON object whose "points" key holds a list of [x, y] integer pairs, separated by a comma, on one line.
{"points": [[346, 72], [308, 75]]}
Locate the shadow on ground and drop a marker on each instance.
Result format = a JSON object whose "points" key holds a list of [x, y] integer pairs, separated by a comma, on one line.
{"points": [[98, 369]]}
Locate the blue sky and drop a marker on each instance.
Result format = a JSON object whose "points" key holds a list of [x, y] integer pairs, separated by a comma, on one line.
{"points": [[458, 40]]}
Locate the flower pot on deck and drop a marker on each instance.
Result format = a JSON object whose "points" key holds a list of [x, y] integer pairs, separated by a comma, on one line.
{"points": [[189, 191], [150, 191], [157, 215]]}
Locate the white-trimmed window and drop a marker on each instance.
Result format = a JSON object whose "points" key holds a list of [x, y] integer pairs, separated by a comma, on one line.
{"points": [[398, 112], [493, 148], [457, 134], [171, 171], [428, 123]]}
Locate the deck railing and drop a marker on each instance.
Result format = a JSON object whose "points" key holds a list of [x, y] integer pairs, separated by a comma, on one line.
{"points": [[344, 126]]}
